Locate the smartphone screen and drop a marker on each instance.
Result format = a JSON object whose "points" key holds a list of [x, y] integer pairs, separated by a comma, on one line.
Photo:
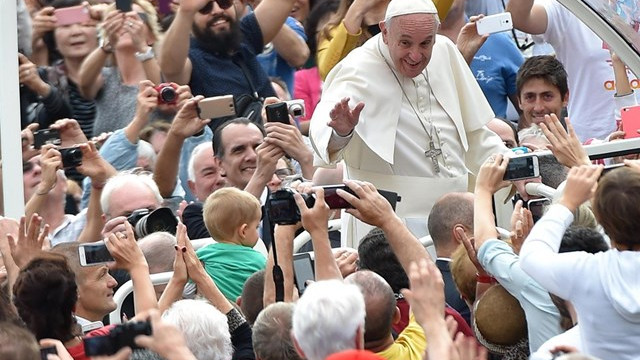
{"points": [[522, 167], [537, 207], [333, 199], [94, 253], [303, 270], [278, 113]]}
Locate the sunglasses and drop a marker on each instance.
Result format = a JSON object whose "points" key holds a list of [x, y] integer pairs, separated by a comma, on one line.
{"points": [[223, 4]]}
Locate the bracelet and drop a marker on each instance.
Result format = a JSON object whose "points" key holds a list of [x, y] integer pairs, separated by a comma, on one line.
{"points": [[485, 279]]}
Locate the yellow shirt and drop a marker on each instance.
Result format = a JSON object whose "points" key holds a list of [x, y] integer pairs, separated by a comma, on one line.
{"points": [[340, 43], [410, 344]]}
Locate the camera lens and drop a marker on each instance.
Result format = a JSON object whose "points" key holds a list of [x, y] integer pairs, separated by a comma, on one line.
{"points": [[168, 94], [161, 219]]}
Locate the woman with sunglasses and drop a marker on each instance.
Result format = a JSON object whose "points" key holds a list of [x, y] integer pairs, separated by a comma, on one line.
{"points": [[127, 42]]}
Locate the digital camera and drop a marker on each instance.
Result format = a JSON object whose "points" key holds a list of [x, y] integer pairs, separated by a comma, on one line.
{"points": [[71, 157], [119, 337], [283, 209], [145, 222], [167, 94]]}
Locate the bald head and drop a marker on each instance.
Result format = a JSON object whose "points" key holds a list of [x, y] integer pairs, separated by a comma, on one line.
{"points": [[380, 304], [451, 210]]}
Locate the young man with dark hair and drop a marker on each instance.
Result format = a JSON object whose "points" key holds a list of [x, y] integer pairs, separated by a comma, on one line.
{"points": [[542, 89]]}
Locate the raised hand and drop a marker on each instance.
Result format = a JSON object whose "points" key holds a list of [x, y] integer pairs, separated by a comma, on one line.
{"points": [[30, 77], [369, 205], [521, 224], [426, 296], [469, 41], [94, 166], [147, 99], [315, 218], [581, 185], [70, 132], [134, 26], [343, 118], [565, 146], [125, 250], [43, 22], [30, 241], [113, 25], [491, 173], [187, 122]]}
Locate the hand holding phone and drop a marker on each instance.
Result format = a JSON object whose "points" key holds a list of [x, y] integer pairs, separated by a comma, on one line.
{"points": [[278, 113], [494, 23], [522, 167], [94, 253], [630, 121]]}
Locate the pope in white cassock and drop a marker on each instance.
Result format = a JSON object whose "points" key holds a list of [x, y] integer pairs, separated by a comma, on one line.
{"points": [[418, 124]]}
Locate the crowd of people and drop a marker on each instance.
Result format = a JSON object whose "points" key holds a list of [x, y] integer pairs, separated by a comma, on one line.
{"points": [[126, 176]]}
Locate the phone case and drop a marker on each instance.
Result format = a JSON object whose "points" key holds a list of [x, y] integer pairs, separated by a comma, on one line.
{"points": [[278, 113], [124, 5], [216, 107], [71, 15], [494, 23], [631, 121]]}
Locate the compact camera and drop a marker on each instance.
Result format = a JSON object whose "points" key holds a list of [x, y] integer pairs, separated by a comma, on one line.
{"points": [[145, 222], [46, 136], [295, 107], [71, 157], [167, 94], [119, 337]]}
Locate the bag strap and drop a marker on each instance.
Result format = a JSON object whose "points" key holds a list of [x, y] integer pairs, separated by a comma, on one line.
{"points": [[237, 59]]}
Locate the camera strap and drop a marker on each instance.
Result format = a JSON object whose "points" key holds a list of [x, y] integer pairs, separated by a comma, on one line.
{"points": [[278, 276]]}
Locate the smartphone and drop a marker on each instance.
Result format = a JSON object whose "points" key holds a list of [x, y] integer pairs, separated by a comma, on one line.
{"points": [[334, 200], [124, 5], [278, 113], [94, 253], [46, 136], [522, 167], [537, 207], [630, 121], [303, 270], [216, 107], [71, 15], [494, 23], [46, 351]]}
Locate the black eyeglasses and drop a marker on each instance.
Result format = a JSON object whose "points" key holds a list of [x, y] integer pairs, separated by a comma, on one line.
{"points": [[224, 4]]}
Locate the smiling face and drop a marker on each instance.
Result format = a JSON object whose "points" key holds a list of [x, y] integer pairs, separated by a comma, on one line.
{"points": [[207, 175], [539, 98], [76, 40], [219, 25], [95, 292], [410, 39], [240, 159]]}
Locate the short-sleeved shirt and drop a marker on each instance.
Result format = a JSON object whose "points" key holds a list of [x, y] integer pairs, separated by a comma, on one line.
{"points": [[495, 67], [216, 74], [276, 65]]}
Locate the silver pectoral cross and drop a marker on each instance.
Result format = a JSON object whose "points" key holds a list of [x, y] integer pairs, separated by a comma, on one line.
{"points": [[433, 153]]}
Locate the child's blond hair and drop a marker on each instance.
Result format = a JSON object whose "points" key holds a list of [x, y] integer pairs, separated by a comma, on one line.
{"points": [[226, 209]]}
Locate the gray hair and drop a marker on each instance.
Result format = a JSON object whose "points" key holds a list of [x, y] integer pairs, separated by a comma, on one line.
{"points": [[145, 150], [191, 171], [327, 318], [125, 178], [204, 328], [272, 333]]}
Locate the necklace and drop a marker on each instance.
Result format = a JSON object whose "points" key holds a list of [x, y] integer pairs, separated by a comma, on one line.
{"points": [[433, 152]]}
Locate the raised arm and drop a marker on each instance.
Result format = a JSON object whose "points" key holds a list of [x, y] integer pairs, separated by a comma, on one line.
{"points": [[489, 181], [185, 124], [271, 15], [315, 220], [50, 161], [125, 250], [174, 50], [291, 46], [284, 235], [528, 16], [375, 210], [289, 139]]}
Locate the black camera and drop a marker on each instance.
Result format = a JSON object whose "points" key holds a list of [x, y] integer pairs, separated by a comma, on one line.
{"points": [[167, 94], [46, 136], [71, 157], [119, 337], [145, 222], [282, 206]]}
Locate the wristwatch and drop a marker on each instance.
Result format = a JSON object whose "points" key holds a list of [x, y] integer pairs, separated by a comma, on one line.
{"points": [[147, 55], [106, 46]]}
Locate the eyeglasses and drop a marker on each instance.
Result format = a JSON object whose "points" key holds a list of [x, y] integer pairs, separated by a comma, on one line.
{"points": [[223, 4], [283, 173]]}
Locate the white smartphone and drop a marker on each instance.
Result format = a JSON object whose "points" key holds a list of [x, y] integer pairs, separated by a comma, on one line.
{"points": [[216, 107], [522, 167], [494, 23], [94, 253]]}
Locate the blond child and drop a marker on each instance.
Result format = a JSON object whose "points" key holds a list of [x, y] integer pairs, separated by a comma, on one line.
{"points": [[232, 217]]}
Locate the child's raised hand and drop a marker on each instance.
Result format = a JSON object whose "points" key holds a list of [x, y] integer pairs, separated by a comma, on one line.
{"points": [[581, 185]]}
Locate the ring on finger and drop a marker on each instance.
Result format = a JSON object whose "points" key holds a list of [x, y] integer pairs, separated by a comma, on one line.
{"points": [[130, 23]]}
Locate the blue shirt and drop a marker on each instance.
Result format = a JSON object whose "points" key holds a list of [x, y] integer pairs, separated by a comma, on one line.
{"points": [[215, 74], [274, 64], [495, 67]]}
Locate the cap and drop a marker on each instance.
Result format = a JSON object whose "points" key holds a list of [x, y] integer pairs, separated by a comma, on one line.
{"points": [[354, 355], [407, 7]]}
